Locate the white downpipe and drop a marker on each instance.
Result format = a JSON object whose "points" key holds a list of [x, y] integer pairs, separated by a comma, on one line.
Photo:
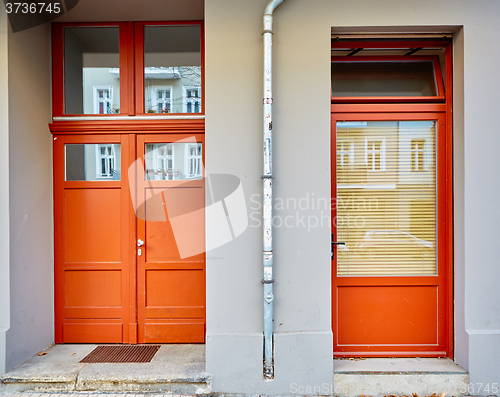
{"points": [[267, 181]]}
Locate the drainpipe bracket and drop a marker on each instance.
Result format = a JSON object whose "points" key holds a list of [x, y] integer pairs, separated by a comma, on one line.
{"points": [[267, 281], [267, 177], [267, 31]]}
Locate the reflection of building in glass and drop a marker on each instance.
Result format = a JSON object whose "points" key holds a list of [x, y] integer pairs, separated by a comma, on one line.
{"points": [[173, 161], [386, 197], [172, 89], [93, 162]]}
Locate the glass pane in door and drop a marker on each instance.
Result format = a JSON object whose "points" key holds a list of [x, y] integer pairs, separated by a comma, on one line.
{"points": [[92, 161], [173, 161], [386, 198]]}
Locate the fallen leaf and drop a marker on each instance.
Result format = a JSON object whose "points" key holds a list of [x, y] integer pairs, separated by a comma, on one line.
{"points": [[73, 354], [351, 358], [443, 394], [42, 353], [414, 394], [362, 395]]}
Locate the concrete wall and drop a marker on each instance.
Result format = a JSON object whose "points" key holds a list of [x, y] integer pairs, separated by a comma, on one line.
{"points": [[31, 240], [4, 187], [302, 166]]}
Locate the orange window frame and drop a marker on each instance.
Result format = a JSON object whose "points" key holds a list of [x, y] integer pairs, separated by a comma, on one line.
{"points": [[381, 108], [131, 66]]}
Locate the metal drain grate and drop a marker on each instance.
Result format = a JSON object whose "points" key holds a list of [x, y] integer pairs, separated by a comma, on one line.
{"points": [[121, 354]]}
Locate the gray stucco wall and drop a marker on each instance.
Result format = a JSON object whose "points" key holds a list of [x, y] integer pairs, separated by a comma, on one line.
{"points": [[4, 187], [302, 165], [30, 171]]}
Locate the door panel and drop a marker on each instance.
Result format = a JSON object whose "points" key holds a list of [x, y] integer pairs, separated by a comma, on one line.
{"points": [[389, 279], [92, 225], [171, 267], [387, 315], [92, 261]]}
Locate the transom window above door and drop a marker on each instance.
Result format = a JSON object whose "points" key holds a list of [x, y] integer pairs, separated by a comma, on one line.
{"points": [[132, 68]]}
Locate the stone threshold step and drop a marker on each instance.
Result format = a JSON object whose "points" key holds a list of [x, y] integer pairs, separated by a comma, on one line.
{"points": [[175, 369], [103, 377], [398, 376]]}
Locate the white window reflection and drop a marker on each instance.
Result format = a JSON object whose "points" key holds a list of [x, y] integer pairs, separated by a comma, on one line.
{"points": [[173, 161], [375, 157], [191, 99], [103, 100]]}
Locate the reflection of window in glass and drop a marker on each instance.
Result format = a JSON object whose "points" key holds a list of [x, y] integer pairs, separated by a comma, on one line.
{"points": [[160, 162], [375, 154], [161, 100], [103, 99], [191, 99], [165, 158], [417, 154], [193, 160], [345, 153], [105, 161]]}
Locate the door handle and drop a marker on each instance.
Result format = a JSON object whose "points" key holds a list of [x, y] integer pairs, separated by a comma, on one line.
{"points": [[334, 243], [140, 243]]}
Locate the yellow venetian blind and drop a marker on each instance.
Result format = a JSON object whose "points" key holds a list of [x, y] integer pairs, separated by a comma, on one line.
{"points": [[386, 198]]}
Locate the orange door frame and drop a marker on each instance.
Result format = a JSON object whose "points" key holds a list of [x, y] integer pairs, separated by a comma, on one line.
{"points": [[401, 108]]}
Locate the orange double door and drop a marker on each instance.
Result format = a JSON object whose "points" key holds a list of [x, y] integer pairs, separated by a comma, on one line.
{"points": [[129, 238]]}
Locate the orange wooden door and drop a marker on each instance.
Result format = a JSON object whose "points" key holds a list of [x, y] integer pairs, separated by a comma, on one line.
{"points": [[170, 239], [391, 285], [92, 249], [109, 289]]}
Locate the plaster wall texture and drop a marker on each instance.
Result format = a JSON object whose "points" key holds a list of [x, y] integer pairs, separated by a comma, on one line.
{"points": [[4, 186], [302, 167], [30, 172]]}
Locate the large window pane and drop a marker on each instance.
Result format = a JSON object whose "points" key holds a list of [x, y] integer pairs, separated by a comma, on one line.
{"points": [[172, 69], [386, 198], [91, 70], [93, 162], [173, 161], [352, 79]]}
